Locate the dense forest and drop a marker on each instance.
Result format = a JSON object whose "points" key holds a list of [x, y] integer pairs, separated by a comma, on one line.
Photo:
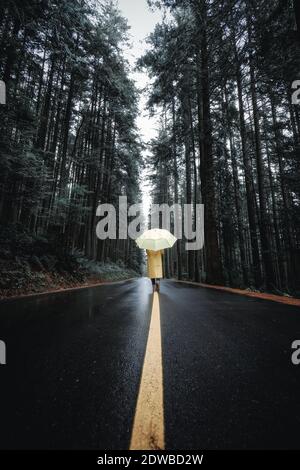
{"points": [[221, 86], [68, 138]]}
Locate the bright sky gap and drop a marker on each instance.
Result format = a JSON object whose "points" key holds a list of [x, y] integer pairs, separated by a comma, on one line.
{"points": [[142, 22]]}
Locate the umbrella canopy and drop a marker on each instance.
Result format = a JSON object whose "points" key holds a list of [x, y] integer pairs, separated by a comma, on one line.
{"points": [[156, 239]]}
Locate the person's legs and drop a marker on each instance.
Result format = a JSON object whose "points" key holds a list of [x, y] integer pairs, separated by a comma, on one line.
{"points": [[153, 283], [157, 284]]}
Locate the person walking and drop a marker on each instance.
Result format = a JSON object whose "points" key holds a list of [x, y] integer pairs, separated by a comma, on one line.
{"points": [[155, 268], [155, 241]]}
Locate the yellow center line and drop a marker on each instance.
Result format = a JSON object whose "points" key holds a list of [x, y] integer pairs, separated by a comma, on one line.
{"points": [[148, 426]]}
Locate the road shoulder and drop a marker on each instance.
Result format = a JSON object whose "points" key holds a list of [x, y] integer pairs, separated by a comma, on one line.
{"points": [[68, 289], [258, 295]]}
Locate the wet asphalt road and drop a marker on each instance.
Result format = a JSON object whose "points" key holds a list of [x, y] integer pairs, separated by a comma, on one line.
{"points": [[74, 362]]}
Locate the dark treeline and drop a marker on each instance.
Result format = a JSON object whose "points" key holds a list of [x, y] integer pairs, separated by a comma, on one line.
{"points": [[222, 74], [68, 139]]}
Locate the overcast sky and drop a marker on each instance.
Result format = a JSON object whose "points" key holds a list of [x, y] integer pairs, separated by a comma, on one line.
{"points": [[142, 22]]}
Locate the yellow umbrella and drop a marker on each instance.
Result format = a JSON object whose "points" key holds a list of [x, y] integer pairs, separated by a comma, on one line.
{"points": [[156, 239]]}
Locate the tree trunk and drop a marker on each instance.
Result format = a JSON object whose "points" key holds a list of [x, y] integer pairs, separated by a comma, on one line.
{"points": [[212, 249], [250, 192], [264, 217]]}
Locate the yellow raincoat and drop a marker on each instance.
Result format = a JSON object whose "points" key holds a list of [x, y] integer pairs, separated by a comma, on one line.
{"points": [[155, 269]]}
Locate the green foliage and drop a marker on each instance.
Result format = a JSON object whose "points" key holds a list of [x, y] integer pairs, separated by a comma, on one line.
{"points": [[30, 263], [68, 137], [107, 271], [228, 135]]}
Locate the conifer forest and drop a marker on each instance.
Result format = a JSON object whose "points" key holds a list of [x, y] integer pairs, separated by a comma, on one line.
{"points": [[223, 90]]}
